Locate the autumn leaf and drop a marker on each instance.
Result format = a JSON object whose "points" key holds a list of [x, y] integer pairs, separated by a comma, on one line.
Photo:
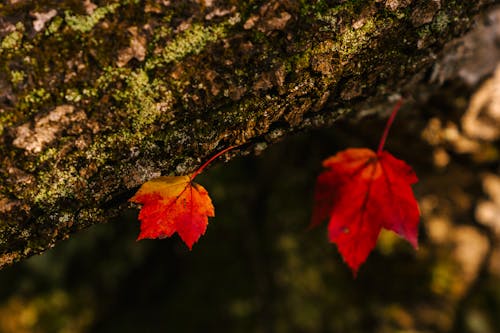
{"points": [[175, 204], [360, 192]]}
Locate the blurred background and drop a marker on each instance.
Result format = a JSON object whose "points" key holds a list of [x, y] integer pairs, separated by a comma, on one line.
{"points": [[259, 269]]}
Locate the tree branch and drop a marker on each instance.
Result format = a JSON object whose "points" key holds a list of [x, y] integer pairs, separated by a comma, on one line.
{"points": [[95, 100]]}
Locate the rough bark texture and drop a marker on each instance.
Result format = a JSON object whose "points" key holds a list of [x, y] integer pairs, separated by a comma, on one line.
{"points": [[96, 98]]}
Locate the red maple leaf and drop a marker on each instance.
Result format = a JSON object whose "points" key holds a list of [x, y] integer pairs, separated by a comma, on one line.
{"points": [[361, 192], [175, 204]]}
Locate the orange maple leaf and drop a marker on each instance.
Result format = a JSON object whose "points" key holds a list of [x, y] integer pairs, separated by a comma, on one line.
{"points": [[175, 204]]}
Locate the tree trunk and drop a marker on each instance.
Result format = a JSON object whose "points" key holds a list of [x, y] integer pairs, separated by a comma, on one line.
{"points": [[96, 99]]}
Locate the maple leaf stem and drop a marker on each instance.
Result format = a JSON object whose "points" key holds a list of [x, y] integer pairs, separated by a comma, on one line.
{"points": [[395, 110], [204, 165]]}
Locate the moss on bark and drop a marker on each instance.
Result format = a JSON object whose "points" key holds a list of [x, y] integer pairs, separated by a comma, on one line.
{"points": [[97, 98]]}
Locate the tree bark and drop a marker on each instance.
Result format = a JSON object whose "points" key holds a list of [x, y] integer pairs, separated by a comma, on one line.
{"points": [[96, 99]]}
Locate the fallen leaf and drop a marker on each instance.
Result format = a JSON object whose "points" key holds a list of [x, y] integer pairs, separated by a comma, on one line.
{"points": [[361, 192], [173, 204]]}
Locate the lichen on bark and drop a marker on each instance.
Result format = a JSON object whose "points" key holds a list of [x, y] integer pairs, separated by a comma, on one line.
{"points": [[96, 98]]}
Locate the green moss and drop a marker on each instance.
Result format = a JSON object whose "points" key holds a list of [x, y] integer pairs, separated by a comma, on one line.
{"points": [[424, 32], [353, 40], [350, 41], [47, 155], [54, 26], [142, 100], [85, 23], [6, 120], [72, 95], [91, 215], [146, 102], [191, 41], [302, 60], [65, 217], [163, 31], [149, 111], [441, 21], [34, 99], [55, 185], [16, 77], [138, 93], [102, 150], [13, 41], [330, 21], [110, 75]]}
